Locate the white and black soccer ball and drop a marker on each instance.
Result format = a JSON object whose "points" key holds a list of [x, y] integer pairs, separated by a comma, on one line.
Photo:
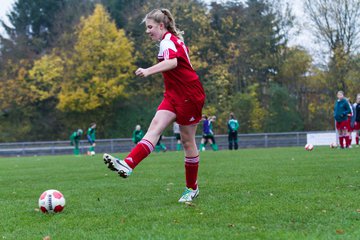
{"points": [[51, 201], [333, 145], [309, 147]]}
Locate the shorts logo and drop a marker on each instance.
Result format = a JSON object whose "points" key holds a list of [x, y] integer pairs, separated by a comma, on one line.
{"points": [[192, 119]]}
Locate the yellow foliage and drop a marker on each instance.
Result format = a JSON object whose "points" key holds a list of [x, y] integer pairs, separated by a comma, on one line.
{"points": [[46, 76], [103, 64]]}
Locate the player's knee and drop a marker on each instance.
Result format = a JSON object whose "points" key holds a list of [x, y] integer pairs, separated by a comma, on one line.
{"points": [[188, 144]]}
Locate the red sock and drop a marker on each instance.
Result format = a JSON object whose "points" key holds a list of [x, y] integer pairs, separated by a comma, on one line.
{"points": [[139, 152], [191, 171], [349, 140], [357, 140], [341, 141]]}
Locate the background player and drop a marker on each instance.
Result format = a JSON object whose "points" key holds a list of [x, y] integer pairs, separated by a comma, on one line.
{"points": [[350, 124], [91, 137], [160, 146], [208, 133], [176, 130], [137, 134], [356, 118], [233, 126], [75, 139], [341, 111], [183, 101]]}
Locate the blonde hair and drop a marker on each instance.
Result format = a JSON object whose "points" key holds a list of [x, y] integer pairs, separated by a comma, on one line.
{"points": [[164, 16]]}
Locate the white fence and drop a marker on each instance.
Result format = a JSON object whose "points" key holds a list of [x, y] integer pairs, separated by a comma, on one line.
{"points": [[260, 140]]}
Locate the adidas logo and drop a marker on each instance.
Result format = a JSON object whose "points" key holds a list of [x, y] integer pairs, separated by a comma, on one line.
{"points": [[192, 119], [130, 159]]}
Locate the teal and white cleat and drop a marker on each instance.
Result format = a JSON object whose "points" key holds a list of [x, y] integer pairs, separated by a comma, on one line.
{"points": [[117, 165], [188, 195]]}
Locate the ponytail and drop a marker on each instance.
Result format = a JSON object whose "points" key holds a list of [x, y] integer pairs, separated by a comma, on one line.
{"points": [[164, 16]]}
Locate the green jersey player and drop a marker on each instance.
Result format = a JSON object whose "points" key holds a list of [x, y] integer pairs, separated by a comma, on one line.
{"points": [[91, 136], [137, 135], [75, 139], [233, 127]]}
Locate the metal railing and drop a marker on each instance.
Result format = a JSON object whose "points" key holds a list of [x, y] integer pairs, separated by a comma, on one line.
{"points": [[259, 140]]}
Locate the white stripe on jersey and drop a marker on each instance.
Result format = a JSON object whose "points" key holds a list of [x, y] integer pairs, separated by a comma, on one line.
{"points": [[165, 45]]}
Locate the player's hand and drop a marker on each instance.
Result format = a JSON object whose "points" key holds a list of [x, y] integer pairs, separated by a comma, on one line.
{"points": [[141, 72]]}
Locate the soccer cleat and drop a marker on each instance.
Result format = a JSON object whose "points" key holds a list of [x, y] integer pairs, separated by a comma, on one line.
{"points": [[117, 165], [188, 195]]}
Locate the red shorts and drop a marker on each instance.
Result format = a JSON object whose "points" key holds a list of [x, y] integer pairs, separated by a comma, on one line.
{"points": [[342, 125], [187, 113], [357, 126]]}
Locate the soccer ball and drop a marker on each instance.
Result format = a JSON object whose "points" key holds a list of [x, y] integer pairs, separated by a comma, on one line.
{"points": [[51, 201], [309, 147], [333, 145], [92, 153]]}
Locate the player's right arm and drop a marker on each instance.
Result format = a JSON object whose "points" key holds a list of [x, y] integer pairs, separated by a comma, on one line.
{"points": [[163, 66]]}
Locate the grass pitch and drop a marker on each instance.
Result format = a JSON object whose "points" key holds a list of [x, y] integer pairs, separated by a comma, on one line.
{"points": [[280, 193]]}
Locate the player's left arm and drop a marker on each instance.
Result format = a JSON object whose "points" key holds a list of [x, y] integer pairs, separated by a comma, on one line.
{"points": [[163, 66]]}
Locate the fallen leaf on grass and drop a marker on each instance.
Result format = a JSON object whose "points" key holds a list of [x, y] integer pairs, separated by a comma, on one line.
{"points": [[231, 225], [46, 238], [340, 231], [190, 204], [358, 210], [37, 210]]}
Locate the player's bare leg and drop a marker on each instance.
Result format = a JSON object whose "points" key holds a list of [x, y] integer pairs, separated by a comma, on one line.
{"points": [[124, 167], [191, 162], [161, 120]]}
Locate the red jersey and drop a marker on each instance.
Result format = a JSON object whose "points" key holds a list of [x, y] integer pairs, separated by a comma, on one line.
{"points": [[181, 83]]}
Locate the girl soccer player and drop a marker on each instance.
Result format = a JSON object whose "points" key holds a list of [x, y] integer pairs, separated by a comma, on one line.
{"points": [[137, 134], [208, 134], [176, 130], [233, 126], [183, 101], [341, 111], [91, 136], [356, 108]]}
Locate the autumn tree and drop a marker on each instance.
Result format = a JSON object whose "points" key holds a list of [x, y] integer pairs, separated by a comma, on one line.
{"points": [[31, 28], [101, 65], [336, 23]]}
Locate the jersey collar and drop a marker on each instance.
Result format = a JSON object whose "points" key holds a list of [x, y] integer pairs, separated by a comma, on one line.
{"points": [[165, 35]]}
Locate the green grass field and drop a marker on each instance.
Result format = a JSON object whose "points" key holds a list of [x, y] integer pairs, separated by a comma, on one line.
{"points": [[280, 193]]}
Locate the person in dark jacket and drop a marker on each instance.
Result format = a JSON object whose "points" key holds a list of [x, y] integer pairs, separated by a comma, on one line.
{"points": [[341, 111]]}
